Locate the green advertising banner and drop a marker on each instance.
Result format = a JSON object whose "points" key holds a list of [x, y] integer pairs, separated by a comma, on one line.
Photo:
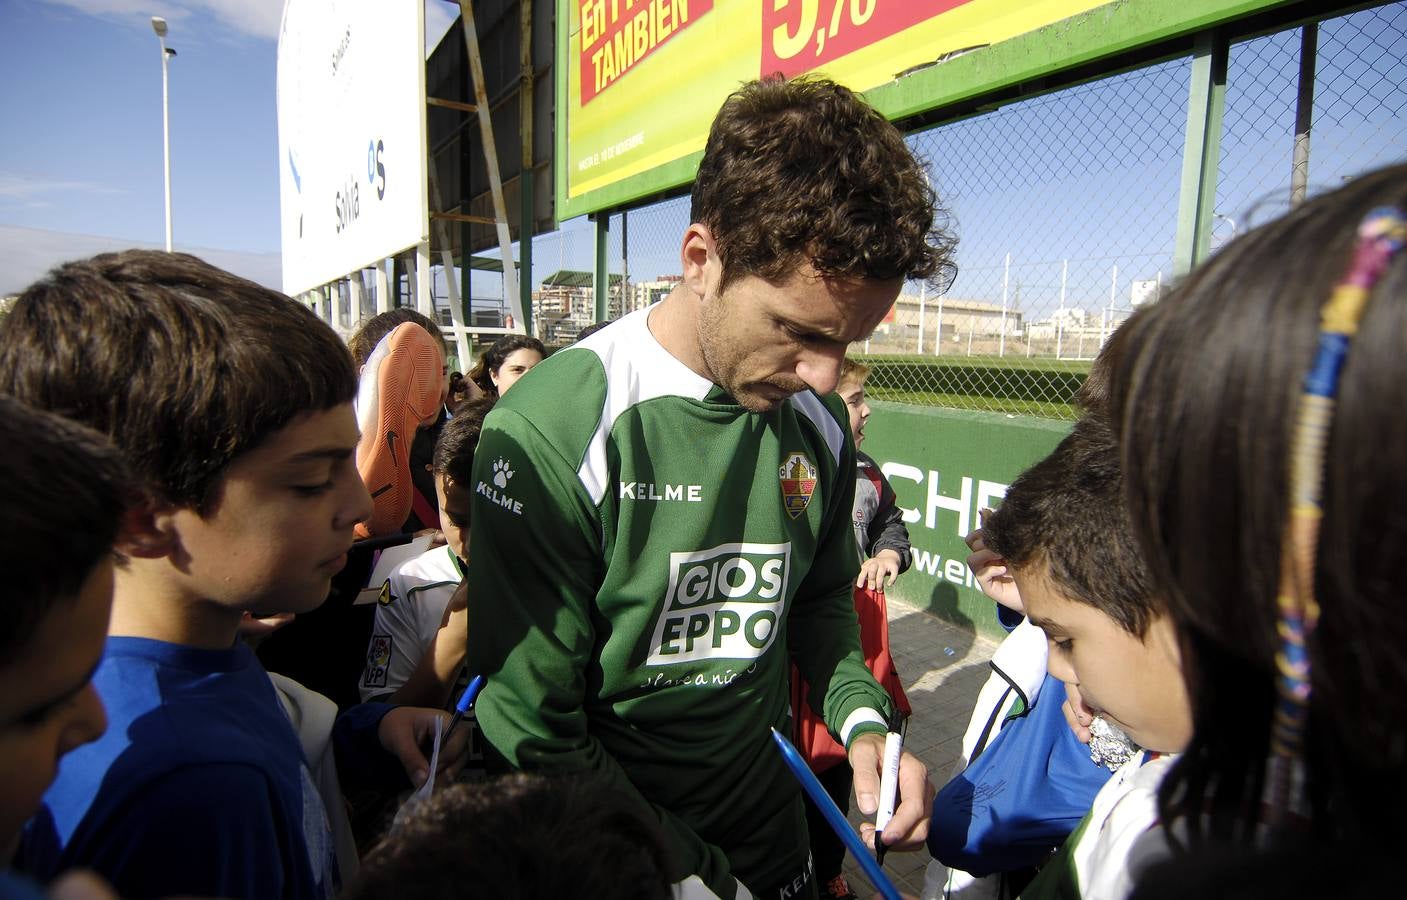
{"points": [[639, 81], [945, 466]]}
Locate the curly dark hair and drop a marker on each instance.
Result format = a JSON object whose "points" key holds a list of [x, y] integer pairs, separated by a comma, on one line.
{"points": [[803, 170]]}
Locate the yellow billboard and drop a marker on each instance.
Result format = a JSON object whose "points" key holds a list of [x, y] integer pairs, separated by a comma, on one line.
{"points": [[643, 78]]}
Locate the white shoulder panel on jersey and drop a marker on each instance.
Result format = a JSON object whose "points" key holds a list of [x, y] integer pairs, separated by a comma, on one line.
{"points": [[810, 406], [434, 565], [637, 368]]}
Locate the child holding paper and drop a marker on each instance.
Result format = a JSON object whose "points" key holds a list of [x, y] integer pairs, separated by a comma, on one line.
{"points": [[883, 542], [416, 654]]}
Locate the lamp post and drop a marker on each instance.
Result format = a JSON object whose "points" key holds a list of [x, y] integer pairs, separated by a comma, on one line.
{"points": [[158, 24]]}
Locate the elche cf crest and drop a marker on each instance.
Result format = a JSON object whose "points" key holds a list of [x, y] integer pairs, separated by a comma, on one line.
{"points": [[798, 475]]}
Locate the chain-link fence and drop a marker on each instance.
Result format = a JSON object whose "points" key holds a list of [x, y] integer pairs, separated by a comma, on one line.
{"points": [[1358, 116], [1066, 207]]}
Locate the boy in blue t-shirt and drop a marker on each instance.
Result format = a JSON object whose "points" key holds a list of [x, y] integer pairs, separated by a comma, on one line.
{"points": [[63, 490], [232, 404]]}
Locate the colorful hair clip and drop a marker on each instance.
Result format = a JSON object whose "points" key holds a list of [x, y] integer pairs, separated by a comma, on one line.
{"points": [[1381, 235]]}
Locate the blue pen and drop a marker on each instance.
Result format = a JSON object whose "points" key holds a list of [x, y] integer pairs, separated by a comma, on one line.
{"points": [[466, 702], [835, 818]]}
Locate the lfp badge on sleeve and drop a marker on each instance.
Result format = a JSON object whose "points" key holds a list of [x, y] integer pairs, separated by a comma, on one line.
{"points": [[798, 475]]}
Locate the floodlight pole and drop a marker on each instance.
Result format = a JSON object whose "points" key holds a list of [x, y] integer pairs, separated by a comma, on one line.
{"points": [[158, 24]]}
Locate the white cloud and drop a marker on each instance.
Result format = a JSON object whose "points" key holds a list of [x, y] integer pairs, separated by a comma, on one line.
{"points": [[27, 253], [258, 18], [22, 185], [109, 7]]}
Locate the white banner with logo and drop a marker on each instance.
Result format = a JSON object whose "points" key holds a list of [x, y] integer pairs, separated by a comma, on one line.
{"points": [[351, 135]]}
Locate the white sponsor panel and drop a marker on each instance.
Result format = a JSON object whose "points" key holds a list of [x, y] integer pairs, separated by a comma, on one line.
{"points": [[723, 603], [351, 134]]}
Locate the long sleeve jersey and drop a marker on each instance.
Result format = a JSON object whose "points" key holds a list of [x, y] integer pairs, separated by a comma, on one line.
{"points": [[645, 555]]}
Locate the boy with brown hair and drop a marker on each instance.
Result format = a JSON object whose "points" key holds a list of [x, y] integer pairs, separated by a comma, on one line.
{"points": [[232, 404], [1063, 533]]}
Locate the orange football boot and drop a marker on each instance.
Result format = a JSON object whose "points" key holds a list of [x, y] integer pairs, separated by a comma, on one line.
{"points": [[399, 393]]}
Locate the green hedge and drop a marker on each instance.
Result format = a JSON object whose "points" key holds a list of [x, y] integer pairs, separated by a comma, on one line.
{"points": [[1030, 381]]}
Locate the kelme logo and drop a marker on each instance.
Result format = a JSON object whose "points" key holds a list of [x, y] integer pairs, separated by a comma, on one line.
{"points": [[723, 603], [497, 491], [798, 476]]}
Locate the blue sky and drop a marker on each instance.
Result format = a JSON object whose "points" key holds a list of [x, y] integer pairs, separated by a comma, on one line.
{"points": [[1088, 175], [81, 161]]}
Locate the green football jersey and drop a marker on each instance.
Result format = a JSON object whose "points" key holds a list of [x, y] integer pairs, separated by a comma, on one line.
{"points": [[646, 558]]}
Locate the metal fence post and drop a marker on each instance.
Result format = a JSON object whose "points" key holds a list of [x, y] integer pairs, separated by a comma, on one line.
{"points": [[1006, 281], [1304, 112], [1206, 102], [603, 274]]}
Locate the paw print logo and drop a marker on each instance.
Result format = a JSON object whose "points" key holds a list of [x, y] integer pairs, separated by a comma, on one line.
{"points": [[501, 473]]}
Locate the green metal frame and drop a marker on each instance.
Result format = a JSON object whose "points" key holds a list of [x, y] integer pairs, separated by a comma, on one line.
{"points": [[1206, 103], [525, 248], [602, 279]]}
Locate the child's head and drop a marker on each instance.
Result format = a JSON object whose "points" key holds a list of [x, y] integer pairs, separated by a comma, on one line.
{"points": [[231, 402], [1093, 395], [505, 361], [852, 390], [1064, 535], [1208, 395], [63, 491], [452, 464], [378, 326], [489, 838]]}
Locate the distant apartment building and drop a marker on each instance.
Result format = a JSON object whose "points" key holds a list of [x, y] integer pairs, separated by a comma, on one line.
{"points": [[565, 303], [948, 317], [641, 294]]}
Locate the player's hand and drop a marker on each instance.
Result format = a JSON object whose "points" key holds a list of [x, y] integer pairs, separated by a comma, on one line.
{"points": [[992, 573], [908, 829], [879, 571], [1076, 713], [408, 732]]}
